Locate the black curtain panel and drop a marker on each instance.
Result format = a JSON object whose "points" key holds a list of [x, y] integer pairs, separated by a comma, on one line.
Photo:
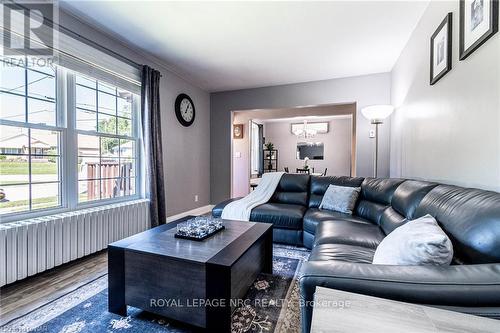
{"points": [[261, 149], [153, 154]]}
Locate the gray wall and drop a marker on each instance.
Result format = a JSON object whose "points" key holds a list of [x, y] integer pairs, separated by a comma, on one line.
{"points": [[186, 150], [336, 152], [448, 132], [364, 90]]}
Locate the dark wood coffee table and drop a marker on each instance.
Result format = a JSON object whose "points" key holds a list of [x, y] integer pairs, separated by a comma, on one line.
{"points": [[189, 281]]}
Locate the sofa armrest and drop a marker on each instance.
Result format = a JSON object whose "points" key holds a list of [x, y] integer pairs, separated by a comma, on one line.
{"points": [[217, 210], [456, 285]]}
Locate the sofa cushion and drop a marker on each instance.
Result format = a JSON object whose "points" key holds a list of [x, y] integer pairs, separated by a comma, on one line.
{"points": [[342, 252], [408, 195], [319, 185], [280, 215], [314, 216], [371, 211], [376, 196], [348, 232], [470, 217], [379, 190], [391, 219], [292, 189]]}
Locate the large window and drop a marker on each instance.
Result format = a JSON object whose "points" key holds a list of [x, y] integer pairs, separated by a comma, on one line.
{"points": [[40, 168]]}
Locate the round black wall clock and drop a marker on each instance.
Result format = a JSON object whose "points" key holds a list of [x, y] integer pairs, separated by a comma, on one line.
{"points": [[184, 110]]}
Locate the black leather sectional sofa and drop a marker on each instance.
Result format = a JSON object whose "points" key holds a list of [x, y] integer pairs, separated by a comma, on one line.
{"points": [[343, 245]]}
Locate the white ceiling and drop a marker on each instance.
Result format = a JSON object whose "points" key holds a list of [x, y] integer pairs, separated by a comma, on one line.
{"points": [[234, 45]]}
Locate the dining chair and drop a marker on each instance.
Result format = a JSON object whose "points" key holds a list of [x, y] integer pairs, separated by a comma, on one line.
{"points": [[324, 173], [286, 169]]}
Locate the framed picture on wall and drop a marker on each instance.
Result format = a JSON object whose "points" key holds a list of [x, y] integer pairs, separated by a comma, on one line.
{"points": [[478, 22], [238, 131], [441, 49]]}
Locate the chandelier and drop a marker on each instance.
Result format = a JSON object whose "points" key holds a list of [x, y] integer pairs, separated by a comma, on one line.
{"points": [[305, 132]]}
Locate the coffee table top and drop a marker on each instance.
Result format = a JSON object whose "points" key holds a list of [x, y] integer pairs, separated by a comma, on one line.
{"points": [[234, 240]]}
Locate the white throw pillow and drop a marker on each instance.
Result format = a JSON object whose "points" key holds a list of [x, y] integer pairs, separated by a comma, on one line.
{"points": [[417, 242], [340, 198]]}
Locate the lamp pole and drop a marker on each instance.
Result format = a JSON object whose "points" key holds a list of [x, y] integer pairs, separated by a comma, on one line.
{"points": [[375, 158], [376, 114]]}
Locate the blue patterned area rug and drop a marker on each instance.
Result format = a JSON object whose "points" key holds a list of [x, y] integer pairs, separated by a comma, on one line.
{"points": [[271, 305]]}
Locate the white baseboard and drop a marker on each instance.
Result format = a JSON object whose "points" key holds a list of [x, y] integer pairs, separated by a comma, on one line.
{"points": [[196, 211]]}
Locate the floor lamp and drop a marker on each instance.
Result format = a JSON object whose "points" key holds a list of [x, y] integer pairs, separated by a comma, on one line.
{"points": [[376, 115]]}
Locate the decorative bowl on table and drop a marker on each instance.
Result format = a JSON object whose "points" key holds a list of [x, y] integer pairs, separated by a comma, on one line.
{"points": [[199, 228]]}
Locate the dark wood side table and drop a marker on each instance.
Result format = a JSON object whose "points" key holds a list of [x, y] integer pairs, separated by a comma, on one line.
{"points": [[149, 268]]}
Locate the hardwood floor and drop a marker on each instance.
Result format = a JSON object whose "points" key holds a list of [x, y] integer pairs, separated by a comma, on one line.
{"points": [[26, 295]]}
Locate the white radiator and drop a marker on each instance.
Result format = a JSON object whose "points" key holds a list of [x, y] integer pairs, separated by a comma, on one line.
{"points": [[35, 245]]}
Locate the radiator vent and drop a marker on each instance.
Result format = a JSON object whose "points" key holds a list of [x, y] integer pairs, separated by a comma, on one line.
{"points": [[32, 246]]}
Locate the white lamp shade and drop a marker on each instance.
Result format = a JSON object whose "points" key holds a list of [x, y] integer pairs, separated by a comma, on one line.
{"points": [[377, 113]]}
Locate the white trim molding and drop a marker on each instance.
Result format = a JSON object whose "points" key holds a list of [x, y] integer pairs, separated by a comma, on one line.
{"points": [[196, 211]]}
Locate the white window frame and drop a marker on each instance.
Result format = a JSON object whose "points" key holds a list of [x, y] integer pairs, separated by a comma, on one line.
{"points": [[68, 169]]}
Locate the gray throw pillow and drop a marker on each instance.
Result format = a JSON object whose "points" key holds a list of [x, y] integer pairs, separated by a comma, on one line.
{"points": [[417, 242], [340, 198]]}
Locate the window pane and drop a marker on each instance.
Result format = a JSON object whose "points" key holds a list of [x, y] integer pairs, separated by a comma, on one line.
{"points": [[88, 167], [125, 107], [88, 145], [124, 186], [109, 147], [45, 195], [12, 78], [13, 107], [13, 140], [14, 169], [106, 124], [124, 126], [106, 88], [41, 112], [86, 120], [84, 81], [107, 103], [132, 186], [127, 167], [41, 85], [127, 148], [86, 98], [110, 188], [44, 169], [110, 168], [48, 69], [106, 163], [88, 190], [14, 198], [44, 142]]}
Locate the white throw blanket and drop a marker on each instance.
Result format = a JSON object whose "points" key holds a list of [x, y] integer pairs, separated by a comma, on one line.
{"points": [[241, 209]]}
